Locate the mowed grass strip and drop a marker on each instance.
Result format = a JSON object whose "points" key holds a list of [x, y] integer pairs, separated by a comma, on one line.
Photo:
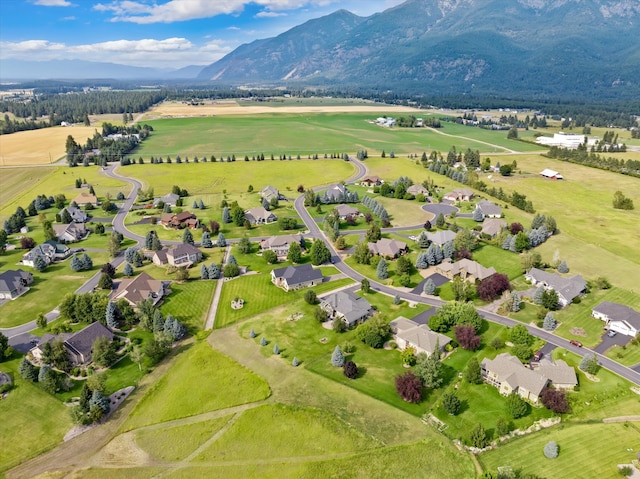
{"points": [[579, 456], [101, 473], [15, 180], [32, 420], [183, 439], [285, 431], [428, 459], [189, 302], [201, 380]]}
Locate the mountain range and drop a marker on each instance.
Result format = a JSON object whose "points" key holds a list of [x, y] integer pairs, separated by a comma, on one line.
{"points": [[547, 47]]}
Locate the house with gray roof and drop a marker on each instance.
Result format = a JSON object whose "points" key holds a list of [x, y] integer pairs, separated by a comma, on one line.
{"points": [[388, 248], [346, 211], [509, 375], [170, 199], [14, 283], [408, 333], [296, 277], [49, 251], [489, 209], [417, 189], [618, 317], [346, 306], [561, 375], [567, 288], [460, 194], [70, 233], [183, 254], [493, 226], [280, 244], [79, 345], [335, 194], [77, 215], [139, 288], [441, 237], [270, 192], [260, 216]]}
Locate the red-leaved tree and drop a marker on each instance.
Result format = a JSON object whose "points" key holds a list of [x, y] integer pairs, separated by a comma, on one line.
{"points": [[492, 287], [555, 400], [409, 387], [515, 228], [467, 337]]}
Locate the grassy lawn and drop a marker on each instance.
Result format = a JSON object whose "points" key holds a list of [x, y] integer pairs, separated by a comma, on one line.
{"points": [[314, 431], [503, 261], [629, 355], [189, 302], [183, 439], [32, 420], [15, 179], [578, 457], [176, 395], [235, 178], [393, 279]]}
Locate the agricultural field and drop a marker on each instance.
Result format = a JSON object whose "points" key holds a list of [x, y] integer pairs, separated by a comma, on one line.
{"points": [[39, 147]]}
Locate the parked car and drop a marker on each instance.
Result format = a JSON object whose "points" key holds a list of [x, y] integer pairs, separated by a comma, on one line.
{"points": [[611, 333], [538, 356], [576, 343]]}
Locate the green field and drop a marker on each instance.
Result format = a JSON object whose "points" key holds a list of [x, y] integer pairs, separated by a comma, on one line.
{"points": [[189, 302], [182, 392], [582, 451]]}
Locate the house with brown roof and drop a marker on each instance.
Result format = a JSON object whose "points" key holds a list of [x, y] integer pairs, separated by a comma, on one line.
{"points": [[260, 216], [467, 269], [296, 277], [417, 189], [139, 288], [388, 248], [280, 244], [14, 283], [370, 181], [183, 254], [79, 345], [85, 198], [493, 226], [460, 194], [408, 333], [347, 211], [509, 375], [70, 233], [181, 220]]}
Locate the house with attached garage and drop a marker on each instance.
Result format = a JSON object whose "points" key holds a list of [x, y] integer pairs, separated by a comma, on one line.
{"points": [[180, 220], [346, 211], [270, 192], [85, 198], [260, 216], [567, 288], [77, 215], [79, 345], [493, 226], [416, 190], [618, 317], [14, 283], [347, 307], [388, 248], [170, 199], [280, 244], [180, 255], [296, 277], [50, 251], [408, 333], [139, 288], [370, 181], [70, 233], [441, 237], [489, 209], [467, 269], [460, 194]]}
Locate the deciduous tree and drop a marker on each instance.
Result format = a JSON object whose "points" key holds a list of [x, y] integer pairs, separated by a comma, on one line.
{"points": [[409, 387]]}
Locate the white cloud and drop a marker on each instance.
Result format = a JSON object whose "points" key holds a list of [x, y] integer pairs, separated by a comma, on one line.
{"points": [[170, 52], [182, 10], [269, 14], [53, 3]]}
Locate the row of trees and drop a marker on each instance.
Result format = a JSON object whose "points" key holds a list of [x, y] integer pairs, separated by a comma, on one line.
{"points": [[594, 160]]}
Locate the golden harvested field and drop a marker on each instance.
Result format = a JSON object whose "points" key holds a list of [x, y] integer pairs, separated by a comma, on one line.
{"points": [[39, 147], [177, 109]]}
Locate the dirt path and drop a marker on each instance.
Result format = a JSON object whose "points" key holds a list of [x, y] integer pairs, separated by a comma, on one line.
{"points": [[507, 150], [621, 419], [213, 309]]}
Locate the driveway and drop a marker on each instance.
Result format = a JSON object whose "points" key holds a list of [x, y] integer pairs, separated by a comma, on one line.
{"points": [[607, 342], [423, 318], [437, 279], [436, 209]]}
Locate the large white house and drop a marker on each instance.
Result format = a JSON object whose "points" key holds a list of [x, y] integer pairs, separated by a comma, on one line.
{"points": [[618, 317]]}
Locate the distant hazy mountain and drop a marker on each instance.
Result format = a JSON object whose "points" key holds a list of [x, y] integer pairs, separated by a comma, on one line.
{"points": [[543, 46], [74, 69]]}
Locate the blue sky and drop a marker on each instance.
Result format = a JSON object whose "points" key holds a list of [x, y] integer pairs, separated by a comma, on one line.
{"points": [[154, 33]]}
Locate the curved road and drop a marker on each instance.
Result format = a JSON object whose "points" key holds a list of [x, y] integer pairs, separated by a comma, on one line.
{"points": [[21, 332]]}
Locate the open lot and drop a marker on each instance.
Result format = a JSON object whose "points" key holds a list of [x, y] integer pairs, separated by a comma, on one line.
{"points": [[40, 147]]}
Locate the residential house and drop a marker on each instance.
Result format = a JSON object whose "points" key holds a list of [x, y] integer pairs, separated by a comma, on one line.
{"points": [[280, 244], [77, 215], [85, 198], [50, 251], [180, 220], [139, 288], [441, 237], [346, 306], [567, 288], [371, 181], [13, 283], [296, 277], [561, 375], [467, 269], [416, 190], [489, 209], [460, 194], [493, 226], [70, 233], [79, 345], [170, 199], [554, 175], [180, 255], [388, 248], [260, 216], [346, 211], [335, 194], [509, 375], [408, 333], [269, 192], [618, 317]]}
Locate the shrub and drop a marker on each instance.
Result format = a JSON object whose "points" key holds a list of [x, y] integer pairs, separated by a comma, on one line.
{"points": [[263, 341], [350, 370], [478, 437], [625, 471], [551, 450], [348, 348], [516, 406], [409, 387], [451, 403], [589, 363], [310, 296], [467, 337], [295, 362], [408, 356], [339, 326], [555, 400]]}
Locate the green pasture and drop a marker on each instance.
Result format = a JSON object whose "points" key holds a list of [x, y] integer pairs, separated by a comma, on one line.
{"points": [[33, 421], [189, 302], [314, 431], [582, 451], [503, 261], [183, 392], [308, 133], [183, 439]]}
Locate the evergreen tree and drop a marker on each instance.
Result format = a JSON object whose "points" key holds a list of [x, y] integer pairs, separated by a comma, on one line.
{"points": [[129, 254], [100, 401], [155, 243], [472, 373], [148, 239], [381, 270], [276, 349], [127, 270], [515, 305], [226, 215], [549, 323], [563, 268], [222, 242], [478, 216], [112, 315], [27, 371], [39, 264], [537, 296], [429, 287], [337, 358], [295, 253], [206, 240], [450, 403], [76, 263], [204, 271], [187, 237], [86, 261], [214, 271]]}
